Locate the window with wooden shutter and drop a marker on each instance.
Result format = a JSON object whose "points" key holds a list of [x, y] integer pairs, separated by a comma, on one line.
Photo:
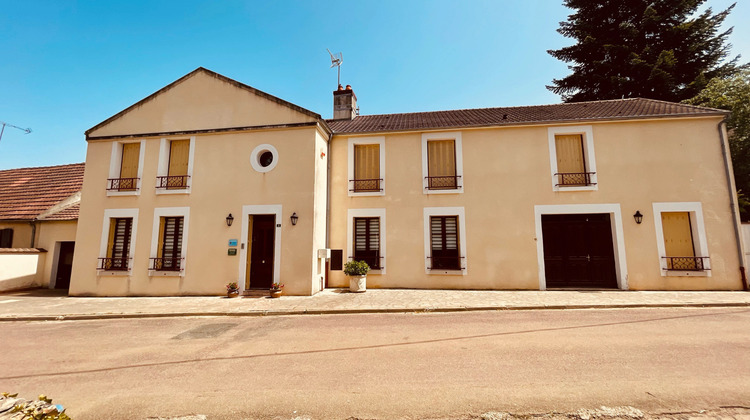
{"points": [[441, 165], [128, 180], [571, 160], [444, 243], [169, 253], [179, 156], [678, 241], [6, 238], [118, 246], [367, 241], [367, 168]]}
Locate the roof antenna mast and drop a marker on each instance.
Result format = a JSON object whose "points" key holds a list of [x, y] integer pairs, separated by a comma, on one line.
{"points": [[336, 60], [2, 130]]}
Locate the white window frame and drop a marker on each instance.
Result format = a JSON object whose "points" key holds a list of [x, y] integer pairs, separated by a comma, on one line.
{"points": [[446, 211], [379, 213], [588, 153], [115, 166], [700, 242], [379, 140], [163, 168], [618, 237], [160, 212], [456, 137], [111, 214]]}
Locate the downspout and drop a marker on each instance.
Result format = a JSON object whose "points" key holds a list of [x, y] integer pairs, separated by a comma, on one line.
{"points": [[33, 233], [733, 203]]}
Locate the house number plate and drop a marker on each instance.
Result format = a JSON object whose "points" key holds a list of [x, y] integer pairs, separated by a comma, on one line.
{"points": [[232, 251]]}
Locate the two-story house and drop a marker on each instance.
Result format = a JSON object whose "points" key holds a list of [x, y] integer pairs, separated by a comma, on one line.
{"points": [[209, 181]]}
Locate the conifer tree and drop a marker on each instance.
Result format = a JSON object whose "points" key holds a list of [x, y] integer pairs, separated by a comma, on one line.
{"points": [[658, 49]]}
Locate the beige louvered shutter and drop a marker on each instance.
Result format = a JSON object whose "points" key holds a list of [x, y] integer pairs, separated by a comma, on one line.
{"points": [[570, 154], [366, 161], [130, 156], [179, 153], [678, 239], [441, 157]]}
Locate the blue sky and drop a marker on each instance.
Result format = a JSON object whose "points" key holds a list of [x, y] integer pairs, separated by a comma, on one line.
{"points": [[68, 65]]}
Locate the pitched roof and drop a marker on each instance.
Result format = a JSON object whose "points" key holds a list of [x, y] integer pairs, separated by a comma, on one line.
{"points": [[25, 193], [580, 111], [213, 74]]}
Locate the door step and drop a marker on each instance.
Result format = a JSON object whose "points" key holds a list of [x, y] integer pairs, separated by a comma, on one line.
{"points": [[255, 293]]}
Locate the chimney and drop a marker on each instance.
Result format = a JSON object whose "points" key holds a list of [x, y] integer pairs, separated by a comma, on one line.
{"points": [[344, 103]]}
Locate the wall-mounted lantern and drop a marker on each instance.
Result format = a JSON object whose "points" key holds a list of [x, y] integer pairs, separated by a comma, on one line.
{"points": [[294, 219], [230, 219], [638, 217]]}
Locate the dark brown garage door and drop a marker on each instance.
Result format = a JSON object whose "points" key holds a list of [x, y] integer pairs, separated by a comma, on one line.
{"points": [[578, 251]]}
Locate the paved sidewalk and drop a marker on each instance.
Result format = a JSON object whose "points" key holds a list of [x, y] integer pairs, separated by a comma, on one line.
{"points": [[45, 304]]}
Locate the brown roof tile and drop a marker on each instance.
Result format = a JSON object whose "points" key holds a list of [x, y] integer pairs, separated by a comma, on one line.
{"points": [[579, 111], [25, 193]]}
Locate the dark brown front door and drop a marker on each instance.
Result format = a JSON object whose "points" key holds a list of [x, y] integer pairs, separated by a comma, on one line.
{"points": [[261, 250], [578, 251], [64, 265]]}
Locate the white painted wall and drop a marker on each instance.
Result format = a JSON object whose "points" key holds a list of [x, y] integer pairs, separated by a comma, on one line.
{"points": [[19, 270]]}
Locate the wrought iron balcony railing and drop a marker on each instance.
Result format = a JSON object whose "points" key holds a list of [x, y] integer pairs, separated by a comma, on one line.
{"points": [[122, 184], [366, 185], [446, 263], [442, 182], [113, 264], [167, 264], [687, 263], [574, 179], [172, 182]]}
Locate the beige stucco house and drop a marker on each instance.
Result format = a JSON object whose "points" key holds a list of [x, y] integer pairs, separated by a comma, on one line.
{"points": [[209, 181]]}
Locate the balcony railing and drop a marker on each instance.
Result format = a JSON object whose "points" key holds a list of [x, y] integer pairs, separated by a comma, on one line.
{"points": [[166, 264], [574, 179], [687, 263], [366, 185], [113, 264], [446, 263], [172, 182], [122, 184], [442, 182]]}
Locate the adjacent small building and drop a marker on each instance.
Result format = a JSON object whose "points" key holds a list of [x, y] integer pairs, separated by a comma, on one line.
{"points": [[38, 221], [209, 181]]}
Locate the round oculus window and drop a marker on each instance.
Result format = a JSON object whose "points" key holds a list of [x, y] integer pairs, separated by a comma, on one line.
{"points": [[264, 158]]}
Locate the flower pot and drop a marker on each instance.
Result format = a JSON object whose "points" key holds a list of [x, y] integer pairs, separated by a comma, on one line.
{"points": [[233, 294], [357, 284], [276, 293]]}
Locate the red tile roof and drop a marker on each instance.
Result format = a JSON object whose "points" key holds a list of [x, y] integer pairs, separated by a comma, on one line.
{"points": [[517, 115], [25, 193]]}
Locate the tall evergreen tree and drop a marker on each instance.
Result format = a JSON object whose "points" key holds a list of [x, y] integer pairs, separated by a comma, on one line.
{"points": [[658, 49]]}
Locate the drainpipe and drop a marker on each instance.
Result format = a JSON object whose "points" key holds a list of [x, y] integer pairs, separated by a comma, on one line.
{"points": [[33, 232], [733, 202]]}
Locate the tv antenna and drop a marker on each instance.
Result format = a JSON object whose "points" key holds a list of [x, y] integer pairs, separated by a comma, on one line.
{"points": [[2, 130], [336, 60]]}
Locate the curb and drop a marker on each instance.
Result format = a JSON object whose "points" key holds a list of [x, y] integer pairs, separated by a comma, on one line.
{"points": [[85, 317]]}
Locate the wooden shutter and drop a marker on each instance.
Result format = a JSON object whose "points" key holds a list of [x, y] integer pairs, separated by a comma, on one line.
{"points": [[179, 153], [170, 246], [441, 157], [367, 240], [570, 157], [678, 239], [366, 161], [129, 166], [118, 247], [6, 238], [444, 242]]}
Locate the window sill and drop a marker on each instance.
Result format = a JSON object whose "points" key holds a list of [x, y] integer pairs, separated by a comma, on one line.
{"points": [[461, 272], [159, 273], [366, 193], [115, 273], [160, 191], [379, 272], [113, 193], [458, 190], [685, 273], [565, 189]]}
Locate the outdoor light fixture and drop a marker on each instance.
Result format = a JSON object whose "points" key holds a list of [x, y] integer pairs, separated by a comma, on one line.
{"points": [[638, 217], [294, 219], [230, 219]]}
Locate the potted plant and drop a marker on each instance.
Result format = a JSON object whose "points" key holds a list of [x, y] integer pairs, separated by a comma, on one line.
{"points": [[232, 290], [276, 290], [357, 273]]}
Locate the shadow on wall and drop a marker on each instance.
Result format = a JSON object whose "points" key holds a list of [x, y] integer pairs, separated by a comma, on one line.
{"points": [[19, 269]]}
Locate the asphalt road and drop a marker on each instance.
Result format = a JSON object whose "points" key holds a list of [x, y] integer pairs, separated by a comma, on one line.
{"points": [[446, 365]]}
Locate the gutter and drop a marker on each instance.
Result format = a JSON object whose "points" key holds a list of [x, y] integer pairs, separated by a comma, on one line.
{"points": [[733, 202]]}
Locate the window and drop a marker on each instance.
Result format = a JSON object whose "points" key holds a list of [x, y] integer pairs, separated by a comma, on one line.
{"points": [[681, 239], [177, 166], [442, 165], [445, 240], [118, 245], [6, 238], [366, 166], [264, 158], [572, 158], [125, 168], [169, 251], [366, 237], [367, 241]]}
